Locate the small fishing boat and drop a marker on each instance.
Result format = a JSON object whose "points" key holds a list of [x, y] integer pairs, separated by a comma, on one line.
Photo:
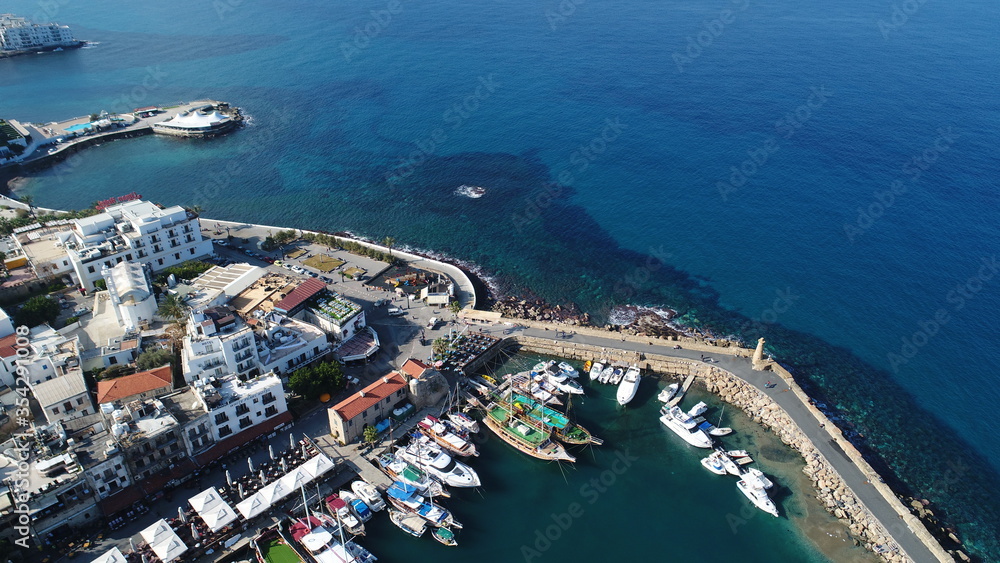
{"points": [[606, 374], [698, 410], [668, 393], [595, 370], [569, 370], [464, 420], [616, 376], [409, 523], [444, 536], [738, 453], [358, 506], [345, 515], [408, 499], [587, 365]]}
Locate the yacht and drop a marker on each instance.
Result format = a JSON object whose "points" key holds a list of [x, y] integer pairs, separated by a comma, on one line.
{"points": [[408, 499], [669, 392], [713, 463], [401, 470], [728, 464], [440, 465], [758, 497], [691, 435], [345, 515], [442, 435], [680, 416], [629, 385], [316, 535], [757, 479], [595, 370], [561, 382], [616, 376], [368, 493], [359, 506]]}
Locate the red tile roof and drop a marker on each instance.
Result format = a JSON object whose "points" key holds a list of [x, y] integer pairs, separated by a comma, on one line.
{"points": [[7, 349], [129, 385], [414, 368], [300, 295], [223, 447], [364, 399]]}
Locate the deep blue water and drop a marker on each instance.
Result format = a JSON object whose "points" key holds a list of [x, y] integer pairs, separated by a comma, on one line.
{"points": [[647, 126]]}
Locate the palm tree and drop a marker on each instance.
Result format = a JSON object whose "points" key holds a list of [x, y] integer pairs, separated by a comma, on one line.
{"points": [[173, 308], [29, 201], [388, 242]]}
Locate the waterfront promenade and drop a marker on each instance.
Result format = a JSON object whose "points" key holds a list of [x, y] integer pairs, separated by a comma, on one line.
{"points": [[906, 530]]}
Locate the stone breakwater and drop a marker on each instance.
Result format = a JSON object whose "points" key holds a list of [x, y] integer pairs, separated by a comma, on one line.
{"points": [[831, 489]]}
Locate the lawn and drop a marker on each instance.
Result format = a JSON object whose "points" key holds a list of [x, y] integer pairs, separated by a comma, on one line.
{"points": [[354, 272], [325, 264], [296, 253]]}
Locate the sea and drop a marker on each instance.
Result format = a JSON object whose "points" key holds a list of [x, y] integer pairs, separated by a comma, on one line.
{"points": [[823, 175]]}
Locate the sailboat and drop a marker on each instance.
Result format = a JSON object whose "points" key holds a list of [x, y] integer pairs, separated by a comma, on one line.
{"points": [[536, 414], [445, 437], [408, 522], [408, 499], [344, 515], [528, 439], [399, 469]]}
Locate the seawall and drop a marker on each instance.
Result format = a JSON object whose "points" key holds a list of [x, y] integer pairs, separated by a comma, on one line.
{"points": [[832, 490]]}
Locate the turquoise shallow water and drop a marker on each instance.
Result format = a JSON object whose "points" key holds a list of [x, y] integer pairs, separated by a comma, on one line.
{"points": [[841, 106]]}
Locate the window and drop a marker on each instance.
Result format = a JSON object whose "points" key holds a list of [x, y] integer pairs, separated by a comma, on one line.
{"points": [[65, 263], [225, 431], [112, 360], [271, 411], [140, 463], [175, 447], [90, 269], [118, 466], [128, 257], [79, 401], [55, 410], [118, 260], [84, 412], [242, 409], [221, 417], [177, 255], [67, 406], [159, 261], [245, 421], [268, 398], [190, 251]]}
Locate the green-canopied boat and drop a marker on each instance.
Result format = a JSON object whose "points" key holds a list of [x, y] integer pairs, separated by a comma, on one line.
{"points": [[537, 413], [530, 439]]}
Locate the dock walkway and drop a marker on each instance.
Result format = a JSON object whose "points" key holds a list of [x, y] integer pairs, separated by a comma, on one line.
{"points": [[684, 389]]}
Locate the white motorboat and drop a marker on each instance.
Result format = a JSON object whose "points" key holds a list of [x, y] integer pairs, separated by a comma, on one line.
{"points": [[728, 464], [713, 463], [368, 493], [569, 370], [465, 421], [738, 453], [606, 374], [562, 383], [358, 506], [440, 465], [668, 393], [628, 386], [758, 497], [402, 470], [616, 376], [698, 410], [443, 435], [695, 437], [345, 515], [595, 370], [757, 479]]}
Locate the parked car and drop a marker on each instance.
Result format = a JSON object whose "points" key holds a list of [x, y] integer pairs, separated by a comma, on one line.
{"points": [[381, 302], [396, 312], [81, 312]]}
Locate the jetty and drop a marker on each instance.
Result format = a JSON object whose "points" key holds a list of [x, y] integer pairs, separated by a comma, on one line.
{"points": [[683, 390], [42, 145]]}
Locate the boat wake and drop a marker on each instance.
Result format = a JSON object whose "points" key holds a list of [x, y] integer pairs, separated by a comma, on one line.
{"points": [[473, 192]]}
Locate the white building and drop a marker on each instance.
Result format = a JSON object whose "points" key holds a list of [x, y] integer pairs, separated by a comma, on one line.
{"points": [[336, 315], [19, 34], [220, 284], [55, 377], [131, 295], [136, 231], [217, 343], [45, 248], [234, 405]]}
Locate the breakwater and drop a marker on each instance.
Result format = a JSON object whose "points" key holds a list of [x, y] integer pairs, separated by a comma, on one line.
{"points": [[815, 443]]}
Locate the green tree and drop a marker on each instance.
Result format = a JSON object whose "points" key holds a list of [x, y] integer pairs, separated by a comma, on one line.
{"points": [[441, 345], [388, 242], [173, 307], [455, 306], [37, 310], [152, 359], [312, 381], [370, 435], [101, 284], [29, 201]]}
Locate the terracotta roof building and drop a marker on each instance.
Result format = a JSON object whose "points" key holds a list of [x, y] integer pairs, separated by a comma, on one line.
{"points": [[142, 385], [367, 407], [292, 303]]}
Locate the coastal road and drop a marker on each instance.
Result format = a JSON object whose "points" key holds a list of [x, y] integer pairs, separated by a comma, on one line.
{"points": [[798, 410]]}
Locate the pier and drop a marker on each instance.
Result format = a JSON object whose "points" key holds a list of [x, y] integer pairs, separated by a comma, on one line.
{"points": [[56, 141], [684, 389]]}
